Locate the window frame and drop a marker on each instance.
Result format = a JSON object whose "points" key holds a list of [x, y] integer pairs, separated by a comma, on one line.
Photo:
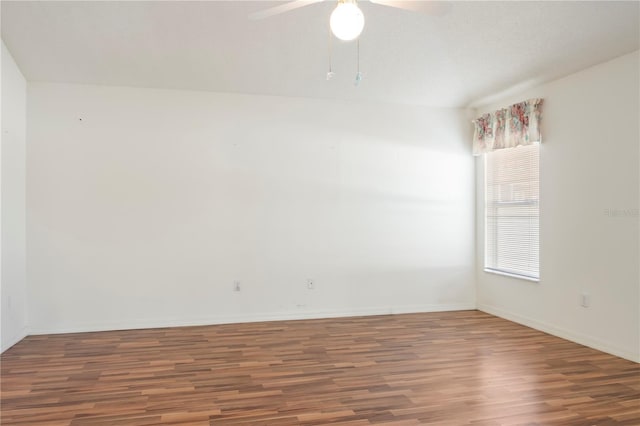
{"points": [[486, 242]]}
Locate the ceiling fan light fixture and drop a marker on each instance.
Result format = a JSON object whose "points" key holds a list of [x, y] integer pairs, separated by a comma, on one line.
{"points": [[347, 20]]}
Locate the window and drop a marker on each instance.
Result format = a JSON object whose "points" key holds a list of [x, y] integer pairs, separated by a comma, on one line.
{"points": [[511, 211]]}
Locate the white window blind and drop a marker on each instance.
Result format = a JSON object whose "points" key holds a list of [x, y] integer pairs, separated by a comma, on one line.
{"points": [[512, 213]]}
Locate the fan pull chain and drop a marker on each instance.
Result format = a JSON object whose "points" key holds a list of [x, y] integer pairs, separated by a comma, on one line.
{"points": [[358, 73], [330, 74]]}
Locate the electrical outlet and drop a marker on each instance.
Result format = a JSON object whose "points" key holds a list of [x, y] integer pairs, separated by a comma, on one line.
{"points": [[236, 286], [585, 300], [311, 284]]}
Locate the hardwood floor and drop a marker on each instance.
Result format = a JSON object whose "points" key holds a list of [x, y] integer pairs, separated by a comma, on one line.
{"points": [[446, 368]]}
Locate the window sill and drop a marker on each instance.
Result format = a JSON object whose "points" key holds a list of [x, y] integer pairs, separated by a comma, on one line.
{"points": [[507, 274]]}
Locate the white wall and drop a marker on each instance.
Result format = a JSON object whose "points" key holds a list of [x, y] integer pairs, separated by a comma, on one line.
{"points": [[589, 164], [13, 292], [145, 205]]}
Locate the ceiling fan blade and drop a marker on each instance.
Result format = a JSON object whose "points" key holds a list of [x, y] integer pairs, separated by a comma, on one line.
{"points": [[429, 7], [276, 10]]}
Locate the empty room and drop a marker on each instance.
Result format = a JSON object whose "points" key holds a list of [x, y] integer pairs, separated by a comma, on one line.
{"points": [[316, 212]]}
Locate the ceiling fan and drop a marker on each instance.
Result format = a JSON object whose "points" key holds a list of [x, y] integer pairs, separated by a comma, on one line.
{"points": [[347, 20]]}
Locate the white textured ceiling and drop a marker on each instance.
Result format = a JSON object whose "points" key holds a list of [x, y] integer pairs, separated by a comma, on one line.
{"points": [[475, 50]]}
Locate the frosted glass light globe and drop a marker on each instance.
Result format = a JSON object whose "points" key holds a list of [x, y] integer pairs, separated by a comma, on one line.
{"points": [[347, 21]]}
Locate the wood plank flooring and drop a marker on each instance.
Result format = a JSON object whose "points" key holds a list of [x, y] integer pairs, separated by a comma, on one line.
{"points": [[447, 368]]}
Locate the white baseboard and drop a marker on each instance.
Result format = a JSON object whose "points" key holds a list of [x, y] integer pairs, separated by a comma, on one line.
{"points": [[231, 319], [283, 316], [15, 339], [562, 333]]}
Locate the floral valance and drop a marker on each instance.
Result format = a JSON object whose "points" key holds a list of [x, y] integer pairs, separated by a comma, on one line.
{"points": [[513, 126]]}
